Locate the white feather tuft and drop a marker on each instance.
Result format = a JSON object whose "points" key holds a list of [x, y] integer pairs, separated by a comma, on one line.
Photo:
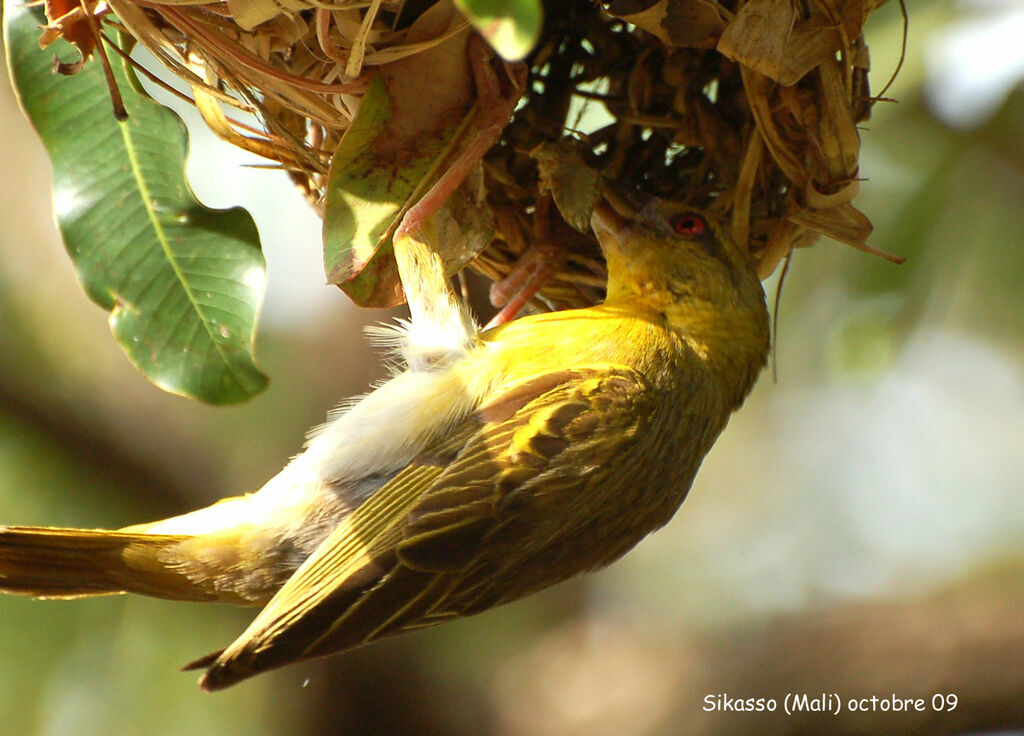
{"points": [[441, 338], [392, 340], [429, 341]]}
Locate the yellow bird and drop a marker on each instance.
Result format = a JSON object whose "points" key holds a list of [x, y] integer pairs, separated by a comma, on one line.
{"points": [[495, 465]]}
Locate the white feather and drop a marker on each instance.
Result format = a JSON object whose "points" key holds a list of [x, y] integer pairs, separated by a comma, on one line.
{"points": [[387, 428]]}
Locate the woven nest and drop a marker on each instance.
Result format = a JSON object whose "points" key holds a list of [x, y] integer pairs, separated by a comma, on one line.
{"points": [[747, 108]]}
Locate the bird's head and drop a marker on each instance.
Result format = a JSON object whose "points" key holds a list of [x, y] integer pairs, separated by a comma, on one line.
{"points": [[680, 262]]}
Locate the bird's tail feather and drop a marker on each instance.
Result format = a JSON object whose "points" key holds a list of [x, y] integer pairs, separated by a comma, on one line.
{"points": [[51, 562]]}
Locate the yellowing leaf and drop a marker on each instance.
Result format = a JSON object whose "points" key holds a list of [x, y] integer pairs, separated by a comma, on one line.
{"points": [[574, 186], [373, 181]]}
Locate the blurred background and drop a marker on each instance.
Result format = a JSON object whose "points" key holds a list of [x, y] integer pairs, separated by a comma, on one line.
{"points": [[858, 530]]}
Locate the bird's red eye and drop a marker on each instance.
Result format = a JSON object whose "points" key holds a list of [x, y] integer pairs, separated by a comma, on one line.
{"points": [[689, 225]]}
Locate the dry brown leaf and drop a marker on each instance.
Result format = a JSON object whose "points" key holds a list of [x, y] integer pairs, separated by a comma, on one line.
{"points": [[250, 13], [744, 189], [770, 37], [821, 201], [781, 240], [758, 34], [760, 93], [679, 23], [844, 223], [812, 42], [837, 130], [67, 21]]}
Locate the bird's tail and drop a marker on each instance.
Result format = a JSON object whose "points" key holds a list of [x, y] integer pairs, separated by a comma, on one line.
{"points": [[72, 563]]}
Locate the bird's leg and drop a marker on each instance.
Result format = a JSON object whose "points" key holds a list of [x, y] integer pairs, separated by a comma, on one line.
{"points": [[441, 324], [496, 100], [533, 269]]}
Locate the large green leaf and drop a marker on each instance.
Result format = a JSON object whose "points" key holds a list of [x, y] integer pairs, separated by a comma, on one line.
{"points": [[183, 283]]}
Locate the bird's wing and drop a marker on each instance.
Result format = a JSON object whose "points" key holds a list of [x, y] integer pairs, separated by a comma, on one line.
{"points": [[397, 557]]}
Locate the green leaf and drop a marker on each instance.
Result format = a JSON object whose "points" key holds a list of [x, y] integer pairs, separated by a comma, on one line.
{"points": [[183, 283], [376, 175], [512, 27]]}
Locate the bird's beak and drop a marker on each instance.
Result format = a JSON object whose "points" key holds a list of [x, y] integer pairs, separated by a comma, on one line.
{"points": [[609, 222]]}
